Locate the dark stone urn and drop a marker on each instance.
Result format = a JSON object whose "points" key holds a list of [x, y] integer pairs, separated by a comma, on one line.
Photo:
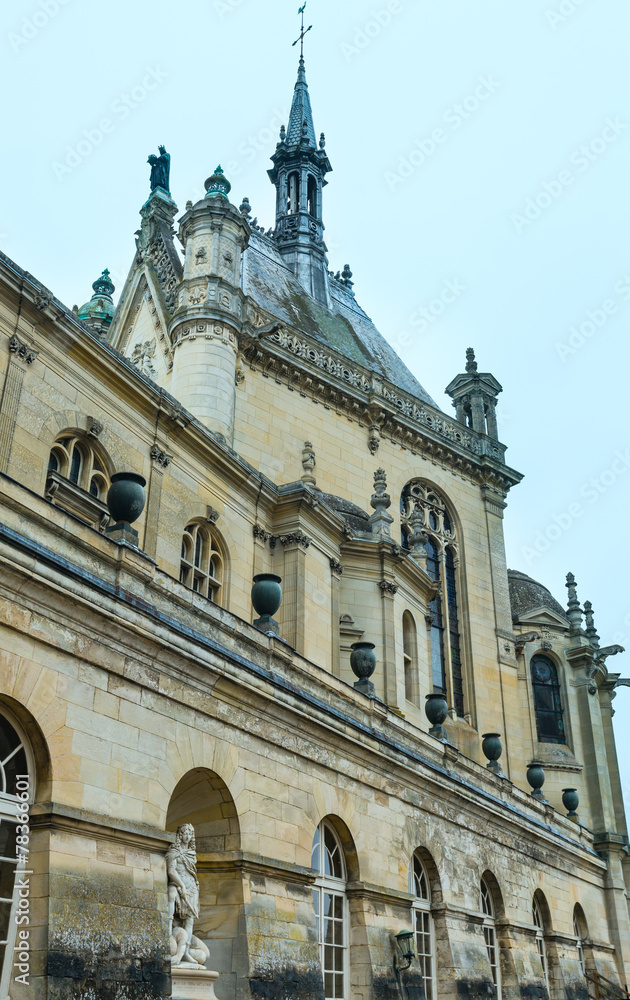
{"points": [[125, 502], [492, 749], [363, 663], [436, 711], [267, 598], [571, 801], [536, 779]]}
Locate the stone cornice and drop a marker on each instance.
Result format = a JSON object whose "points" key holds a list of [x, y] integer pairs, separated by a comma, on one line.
{"points": [[304, 366], [81, 822]]}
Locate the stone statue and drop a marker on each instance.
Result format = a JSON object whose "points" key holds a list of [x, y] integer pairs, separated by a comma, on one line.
{"points": [[160, 170], [183, 900]]}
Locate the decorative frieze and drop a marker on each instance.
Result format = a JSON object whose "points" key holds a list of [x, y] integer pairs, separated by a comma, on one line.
{"points": [[22, 351], [160, 457], [387, 587], [262, 535], [292, 538]]}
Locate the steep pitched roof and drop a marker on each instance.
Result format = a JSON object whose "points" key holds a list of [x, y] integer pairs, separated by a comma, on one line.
{"points": [[345, 328]]}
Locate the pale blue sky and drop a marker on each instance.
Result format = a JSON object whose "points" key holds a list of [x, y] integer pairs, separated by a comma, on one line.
{"points": [[483, 143]]}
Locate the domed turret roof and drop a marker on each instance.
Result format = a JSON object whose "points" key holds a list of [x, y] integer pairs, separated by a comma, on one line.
{"points": [[527, 595], [101, 305]]}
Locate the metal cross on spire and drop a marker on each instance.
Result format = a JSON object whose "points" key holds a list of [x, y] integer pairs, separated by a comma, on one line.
{"points": [[303, 32]]}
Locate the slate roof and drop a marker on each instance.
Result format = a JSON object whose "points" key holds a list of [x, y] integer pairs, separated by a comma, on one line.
{"points": [[527, 594], [346, 329]]}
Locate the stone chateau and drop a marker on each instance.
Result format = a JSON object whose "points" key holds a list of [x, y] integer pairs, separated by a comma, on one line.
{"points": [[400, 783]]}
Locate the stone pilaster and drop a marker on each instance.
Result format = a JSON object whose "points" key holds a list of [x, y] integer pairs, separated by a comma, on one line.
{"points": [[388, 639], [21, 356], [336, 570], [293, 608], [160, 462]]}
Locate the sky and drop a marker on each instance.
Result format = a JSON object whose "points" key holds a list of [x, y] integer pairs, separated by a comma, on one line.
{"points": [[482, 146]]}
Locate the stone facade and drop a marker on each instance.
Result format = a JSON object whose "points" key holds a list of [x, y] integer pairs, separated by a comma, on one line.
{"points": [[258, 404]]}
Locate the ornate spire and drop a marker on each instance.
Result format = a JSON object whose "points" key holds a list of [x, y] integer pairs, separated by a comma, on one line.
{"points": [[218, 186], [299, 175], [474, 396], [574, 611], [380, 520], [590, 630], [301, 127]]}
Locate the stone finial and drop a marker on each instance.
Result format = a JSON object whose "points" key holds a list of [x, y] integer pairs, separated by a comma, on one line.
{"points": [[380, 520], [283, 134], [245, 208], [591, 631], [322, 141], [471, 364], [183, 900], [574, 611], [308, 464], [218, 186], [417, 538]]}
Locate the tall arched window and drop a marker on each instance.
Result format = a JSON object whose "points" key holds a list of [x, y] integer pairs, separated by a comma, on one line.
{"points": [[423, 508], [329, 900], [547, 700], [15, 791], [78, 479], [410, 653], [580, 930], [201, 561], [490, 934], [312, 197], [539, 924], [423, 925], [293, 199]]}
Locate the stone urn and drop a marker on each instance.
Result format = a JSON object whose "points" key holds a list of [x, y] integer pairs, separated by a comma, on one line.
{"points": [[363, 663], [492, 748], [536, 779], [126, 497], [267, 598], [436, 711], [571, 801]]}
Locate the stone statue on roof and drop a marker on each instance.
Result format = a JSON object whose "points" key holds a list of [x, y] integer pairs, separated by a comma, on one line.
{"points": [[160, 170]]}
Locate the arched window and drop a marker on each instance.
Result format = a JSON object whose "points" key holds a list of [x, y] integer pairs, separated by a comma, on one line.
{"points": [[547, 700], [423, 508], [78, 479], [15, 791], [539, 923], [312, 196], [329, 900], [201, 561], [490, 934], [293, 200], [410, 654], [580, 930], [423, 925]]}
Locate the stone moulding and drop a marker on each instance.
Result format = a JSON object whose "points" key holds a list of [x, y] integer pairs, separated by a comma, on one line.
{"points": [[328, 379]]}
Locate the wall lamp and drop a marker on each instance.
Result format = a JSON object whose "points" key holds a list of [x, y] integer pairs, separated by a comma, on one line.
{"points": [[403, 955]]}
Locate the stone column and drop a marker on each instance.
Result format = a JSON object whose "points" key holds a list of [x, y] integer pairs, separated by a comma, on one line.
{"points": [[613, 850], [20, 357]]}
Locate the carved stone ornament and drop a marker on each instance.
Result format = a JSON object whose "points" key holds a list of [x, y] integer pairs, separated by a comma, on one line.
{"points": [[22, 351], [387, 587], [183, 901], [142, 358], [161, 457], [212, 515], [522, 640], [292, 538], [308, 464], [94, 427], [336, 567], [239, 377], [43, 299], [260, 533]]}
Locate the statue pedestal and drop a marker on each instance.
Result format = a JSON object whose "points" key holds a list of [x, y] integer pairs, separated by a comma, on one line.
{"points": [[193, 983]]}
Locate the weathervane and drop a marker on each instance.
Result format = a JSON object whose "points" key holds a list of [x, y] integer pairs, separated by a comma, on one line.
{"points": [[303, 32]]}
